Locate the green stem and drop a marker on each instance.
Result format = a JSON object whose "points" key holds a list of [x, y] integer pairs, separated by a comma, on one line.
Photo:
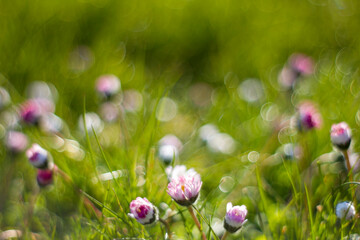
{"points": [[348, 165], [225, 235], [86, 200], [197, 223], [167, 227]]}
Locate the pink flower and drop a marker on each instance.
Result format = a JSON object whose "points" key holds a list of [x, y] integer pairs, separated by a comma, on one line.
{"points": [[178, 170], [108, 85], [32, 110], [235, 217], [185, 189], [287, 77], [302, 64], [44, 177], [309, 117], [16, 142], [341, 135], [143, 211], [38, 156]]}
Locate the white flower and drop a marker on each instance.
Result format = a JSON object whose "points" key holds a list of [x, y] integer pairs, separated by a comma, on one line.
{"points": [[345, 210]]}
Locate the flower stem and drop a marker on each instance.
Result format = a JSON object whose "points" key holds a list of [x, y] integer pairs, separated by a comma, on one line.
{"points": [[197, 223], [348, 165], [346, 155], [167, 227], [225, 235]]}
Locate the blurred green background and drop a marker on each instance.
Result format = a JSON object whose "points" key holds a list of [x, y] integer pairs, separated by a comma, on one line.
{"points": [[166, 47]]}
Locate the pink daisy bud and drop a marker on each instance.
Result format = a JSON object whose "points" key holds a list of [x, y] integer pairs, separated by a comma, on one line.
{"points": [[16, 142], [33, 109], [302, 64], [309, 117], [38, 156], [108, 85], [341, 135], [185, 189], [143, 211], [30, 112], [44, 177], [235, 217]]}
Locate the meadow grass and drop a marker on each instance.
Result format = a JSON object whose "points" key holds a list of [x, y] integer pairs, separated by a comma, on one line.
{"points": [[198, 54]]}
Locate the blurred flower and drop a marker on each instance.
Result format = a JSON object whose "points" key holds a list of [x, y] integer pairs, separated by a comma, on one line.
{"points": [[44, 177], [33, 109], [217, 141], [15, 141], [42, 90], [51, 123], [185, 189], [169, 148], [92, 120], [345, 210], [38, 156], [179, 170], [287, 77], [290, 151], [308, 116], [207, 131], [235, 217], [4, 98], [110, 175], [341, 135], [167, 153], [108, 85], [222, 142], [109, 111], [301, 64], [132, 101], [143, 211], [251, 90], [298, 65]]}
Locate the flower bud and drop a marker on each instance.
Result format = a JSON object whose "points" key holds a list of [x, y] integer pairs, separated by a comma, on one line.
{"points": [[302, 64], [30, 112], [341, 135], [44, 177], [33, 109], [185, 189], [309, 117], [108, 85], [169, 148], [143, 211], [167, 153], [235, 217], [38, 156], [345, 210]]}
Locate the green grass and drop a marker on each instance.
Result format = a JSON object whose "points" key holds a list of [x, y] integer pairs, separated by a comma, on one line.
{"points": [[162, 49]]}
